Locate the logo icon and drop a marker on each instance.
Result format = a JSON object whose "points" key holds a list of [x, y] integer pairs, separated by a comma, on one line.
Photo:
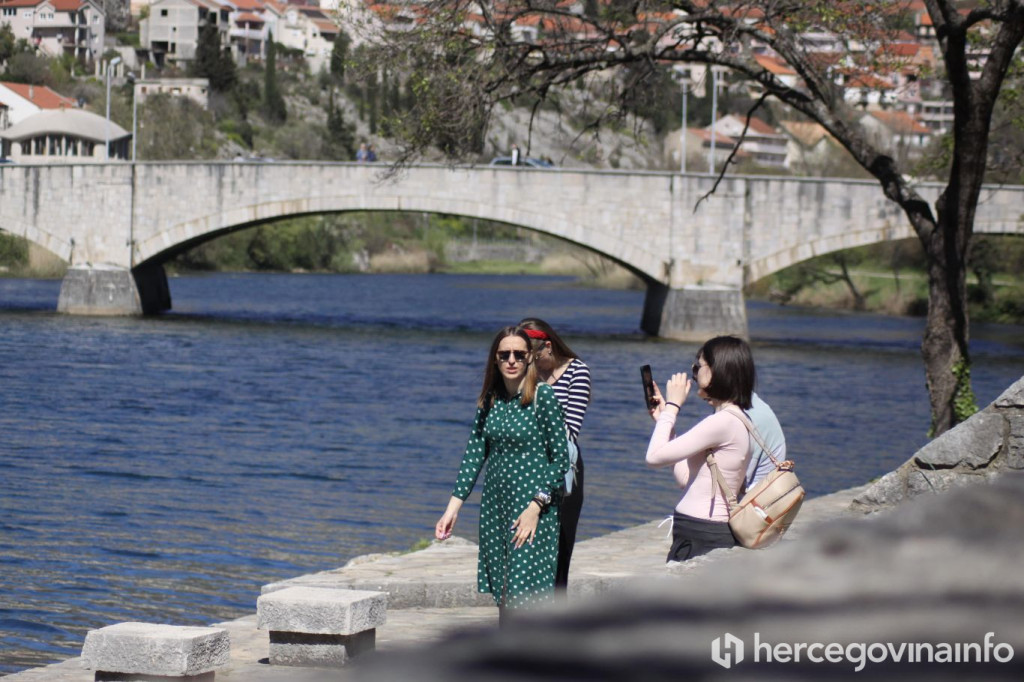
{"points": [[727, 650]]}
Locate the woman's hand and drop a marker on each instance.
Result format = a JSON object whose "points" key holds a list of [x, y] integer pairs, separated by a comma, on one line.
{"points": [[443, 529], [659, 402], [526, 525], [677, 388]]}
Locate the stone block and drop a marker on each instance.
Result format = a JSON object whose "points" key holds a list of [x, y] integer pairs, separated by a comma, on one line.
{"points": [[151, 651], [973, 444], [321, 611], [1012, 397], [99, 290], [887, 491], [321, 651], [1015, 442]]}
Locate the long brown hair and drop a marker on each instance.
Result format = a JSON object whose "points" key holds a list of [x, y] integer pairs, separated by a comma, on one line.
{"points": [[494, 384], [558, 346]]}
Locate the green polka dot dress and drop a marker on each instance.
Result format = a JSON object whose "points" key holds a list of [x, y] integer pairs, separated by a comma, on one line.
{"points": [[525, 450]]}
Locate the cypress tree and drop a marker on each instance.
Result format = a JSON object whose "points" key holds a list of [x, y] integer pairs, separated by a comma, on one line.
{"points": [[341, 139], [339, 55], [213, 63], [273, 103]]}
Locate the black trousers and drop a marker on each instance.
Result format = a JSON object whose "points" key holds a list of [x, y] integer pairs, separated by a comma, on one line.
{"points": [[692, 537], [570, 518]]}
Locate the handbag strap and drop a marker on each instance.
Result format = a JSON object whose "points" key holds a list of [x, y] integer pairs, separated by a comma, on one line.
{"points": [[739, 414], [727, 493]]}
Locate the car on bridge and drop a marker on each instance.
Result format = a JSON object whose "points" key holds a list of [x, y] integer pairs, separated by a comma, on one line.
{"points": [[525, 162]]}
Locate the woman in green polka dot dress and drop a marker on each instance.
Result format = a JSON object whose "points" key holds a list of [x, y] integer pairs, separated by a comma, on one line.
{"points": [[520, 433]]}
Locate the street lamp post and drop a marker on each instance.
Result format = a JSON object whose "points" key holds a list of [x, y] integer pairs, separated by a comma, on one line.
{"points": [[135, 112], [110, 68]]}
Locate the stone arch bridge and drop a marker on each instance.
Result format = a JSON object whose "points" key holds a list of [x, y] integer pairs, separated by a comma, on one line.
{"points": [[115, 224]]}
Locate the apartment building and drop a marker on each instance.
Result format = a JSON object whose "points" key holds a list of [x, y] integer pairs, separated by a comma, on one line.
{"points": [[171, 32], [57, 27]]}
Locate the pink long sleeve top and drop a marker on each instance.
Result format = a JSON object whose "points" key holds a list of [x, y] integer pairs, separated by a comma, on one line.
{"points": [[721, 433]]}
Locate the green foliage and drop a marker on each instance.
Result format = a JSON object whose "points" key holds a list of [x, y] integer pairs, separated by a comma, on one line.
{"points": [[128, 38], [339, 56], [13, 250], [964, 402], [212, 62], [274, 109], [26, 67], [175, 128], [341, 137], [7, 42]]}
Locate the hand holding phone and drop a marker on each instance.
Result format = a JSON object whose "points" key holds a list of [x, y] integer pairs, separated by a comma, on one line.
{"points": [[648, 381]]}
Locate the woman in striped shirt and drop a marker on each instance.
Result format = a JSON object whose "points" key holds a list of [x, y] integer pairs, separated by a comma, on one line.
{"points": [[560, 367]]}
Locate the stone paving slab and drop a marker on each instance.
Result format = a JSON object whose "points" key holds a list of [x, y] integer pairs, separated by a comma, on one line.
{"points": [[250, 647], [432, 592], [444, 574]]}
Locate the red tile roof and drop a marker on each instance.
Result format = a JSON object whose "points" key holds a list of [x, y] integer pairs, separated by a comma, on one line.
{"points": [[774, 65], [901, 122], [40, 95]]}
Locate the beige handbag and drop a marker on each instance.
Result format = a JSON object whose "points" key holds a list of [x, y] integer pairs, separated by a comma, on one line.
{"points": [[767, 510]]}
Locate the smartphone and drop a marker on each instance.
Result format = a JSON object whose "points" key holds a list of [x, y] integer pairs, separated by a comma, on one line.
{"points": [[645, 376]]}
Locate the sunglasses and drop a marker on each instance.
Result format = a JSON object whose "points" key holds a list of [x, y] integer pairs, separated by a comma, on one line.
{"points": [[520, 355], [695, 368]]}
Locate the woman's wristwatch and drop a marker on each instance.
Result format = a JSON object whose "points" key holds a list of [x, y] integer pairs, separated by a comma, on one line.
{"points": [[542, 499]]}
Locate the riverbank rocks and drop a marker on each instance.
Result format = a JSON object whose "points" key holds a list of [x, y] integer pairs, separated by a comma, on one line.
{"points": [[989, 442], [147, 651], [311, 626]]}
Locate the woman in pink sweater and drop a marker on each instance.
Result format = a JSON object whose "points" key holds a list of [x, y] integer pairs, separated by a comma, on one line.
{"points": [[725, 377]]}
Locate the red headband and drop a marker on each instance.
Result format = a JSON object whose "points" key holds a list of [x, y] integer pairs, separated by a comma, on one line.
{"points": [[535, 334]]}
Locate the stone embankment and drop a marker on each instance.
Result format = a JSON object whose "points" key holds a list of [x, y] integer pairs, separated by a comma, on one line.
{"points": [[933, 580], [989, 443]]}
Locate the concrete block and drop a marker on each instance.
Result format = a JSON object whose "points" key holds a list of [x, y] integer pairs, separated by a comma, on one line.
{"points": [[315, 626], [321, 611], [99, 290], [149, 650], [322, 651]]}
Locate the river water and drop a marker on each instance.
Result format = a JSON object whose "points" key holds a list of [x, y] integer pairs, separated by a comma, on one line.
{"points": [[162, 469]]}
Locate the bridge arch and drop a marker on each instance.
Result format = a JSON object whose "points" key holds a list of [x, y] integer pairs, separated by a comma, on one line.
{"points": [[178, 237], [36, 236]]}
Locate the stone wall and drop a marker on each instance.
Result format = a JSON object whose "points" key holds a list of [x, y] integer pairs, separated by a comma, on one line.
{"points": [[990, 442]]}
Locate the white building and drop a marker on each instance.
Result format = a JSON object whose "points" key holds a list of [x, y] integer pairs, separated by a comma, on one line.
{"points": [[65, 136], [171, 32], [57, 27], [764, 145], [18, 101], [196, 89]]}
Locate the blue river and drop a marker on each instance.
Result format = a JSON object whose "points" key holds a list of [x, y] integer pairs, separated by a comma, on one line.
{"points": [[162, 469]]}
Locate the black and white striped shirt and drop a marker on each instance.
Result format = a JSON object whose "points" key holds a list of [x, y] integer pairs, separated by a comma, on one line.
{"points": [[573, 392]]}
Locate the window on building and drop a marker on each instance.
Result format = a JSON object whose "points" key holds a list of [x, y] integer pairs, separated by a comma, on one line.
{"points": [[163, 13]]}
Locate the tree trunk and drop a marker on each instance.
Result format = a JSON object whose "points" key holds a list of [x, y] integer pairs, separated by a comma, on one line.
{"points": [[945, 342]]}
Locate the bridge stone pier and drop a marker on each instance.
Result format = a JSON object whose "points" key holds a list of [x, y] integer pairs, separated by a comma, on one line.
{"points": [[116, 224]]}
